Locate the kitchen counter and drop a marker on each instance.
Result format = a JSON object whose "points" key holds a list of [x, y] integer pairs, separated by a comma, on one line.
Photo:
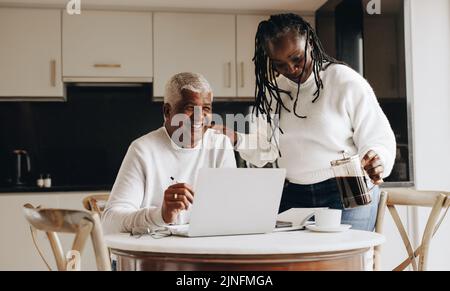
{"points": [[34, 189]]}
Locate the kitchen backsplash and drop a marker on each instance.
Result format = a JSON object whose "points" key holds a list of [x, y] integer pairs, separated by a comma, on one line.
{"points": [[82, 142]]}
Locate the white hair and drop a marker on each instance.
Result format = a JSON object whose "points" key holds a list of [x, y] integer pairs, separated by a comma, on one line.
{"points": [[185, 81]]}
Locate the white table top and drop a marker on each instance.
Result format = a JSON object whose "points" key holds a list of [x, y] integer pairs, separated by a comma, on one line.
{"points": [[293, 242]]}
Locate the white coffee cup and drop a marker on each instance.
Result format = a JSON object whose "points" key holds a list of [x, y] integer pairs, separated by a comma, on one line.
{"points": [[328, 218]]}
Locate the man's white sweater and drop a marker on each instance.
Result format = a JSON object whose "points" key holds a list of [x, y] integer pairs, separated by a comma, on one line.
{"points": [[146, 171], [346, 117]]}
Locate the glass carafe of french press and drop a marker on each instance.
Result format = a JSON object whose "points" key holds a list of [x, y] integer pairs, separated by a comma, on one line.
{"points": [[351, 181]]}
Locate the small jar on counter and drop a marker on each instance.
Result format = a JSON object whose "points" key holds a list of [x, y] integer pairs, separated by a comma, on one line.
{"points": [[40, 181], [47, 181]]}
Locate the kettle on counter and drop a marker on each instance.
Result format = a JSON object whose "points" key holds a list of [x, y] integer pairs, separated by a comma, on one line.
{"points": [[21, 168]]}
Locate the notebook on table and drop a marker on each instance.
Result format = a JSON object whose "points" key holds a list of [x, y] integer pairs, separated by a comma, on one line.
{"points": [[294, 219]]}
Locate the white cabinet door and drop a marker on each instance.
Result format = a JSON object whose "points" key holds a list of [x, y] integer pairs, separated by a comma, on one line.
{"points": [[107, 44], [30, 53], [247, 26], [191, 42]]}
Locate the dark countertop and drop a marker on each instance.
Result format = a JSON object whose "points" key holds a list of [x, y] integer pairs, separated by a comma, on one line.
{"points": [[28, 189]]}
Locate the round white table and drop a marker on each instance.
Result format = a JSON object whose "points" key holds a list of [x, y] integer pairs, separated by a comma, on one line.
{"points": [[294, 250]]}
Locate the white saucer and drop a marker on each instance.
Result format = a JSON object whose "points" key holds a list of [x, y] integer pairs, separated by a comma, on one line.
{"points": [[342, 227]]}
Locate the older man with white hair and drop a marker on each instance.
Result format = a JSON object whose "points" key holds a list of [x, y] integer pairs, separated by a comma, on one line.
{"points": [[154, 182]]}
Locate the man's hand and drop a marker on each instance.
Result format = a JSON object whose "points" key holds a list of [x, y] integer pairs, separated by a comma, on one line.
{"points": [[374, 167], [176, 198], [226, 131]]}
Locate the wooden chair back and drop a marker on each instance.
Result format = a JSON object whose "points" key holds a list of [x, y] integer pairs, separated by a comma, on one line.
{"points": [[439, 203], [95, 203], [81, 223]]}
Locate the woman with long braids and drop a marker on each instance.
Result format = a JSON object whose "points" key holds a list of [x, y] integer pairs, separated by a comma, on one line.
{"points": [[323, 108]]}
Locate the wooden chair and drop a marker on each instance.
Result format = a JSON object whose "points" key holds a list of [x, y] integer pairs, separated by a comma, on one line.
{"points": [[83, 224], [438, 201], [95, 203], [379, 229]]}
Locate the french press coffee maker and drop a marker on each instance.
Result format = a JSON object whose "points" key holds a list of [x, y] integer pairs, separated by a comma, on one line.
{"points": [[351, 181]]}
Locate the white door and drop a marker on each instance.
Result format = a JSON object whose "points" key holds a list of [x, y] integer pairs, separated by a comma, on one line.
{"points": [[108, 44], [30, 53], [247, 26], [192, 42]]}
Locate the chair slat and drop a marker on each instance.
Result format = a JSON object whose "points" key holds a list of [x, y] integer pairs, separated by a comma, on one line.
{"points": [[437, 200], [83, 224], [430, 228], [96, 202], [411, 197], [404, 235]]}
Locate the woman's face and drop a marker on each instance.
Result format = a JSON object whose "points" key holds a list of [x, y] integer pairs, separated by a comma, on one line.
{"points": [[287, 54]]}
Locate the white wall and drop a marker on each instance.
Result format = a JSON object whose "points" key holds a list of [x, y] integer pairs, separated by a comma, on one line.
{"points": [[429, 87], [430, 37]]}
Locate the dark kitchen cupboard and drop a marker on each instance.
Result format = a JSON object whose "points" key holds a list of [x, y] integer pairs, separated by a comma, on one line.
{"points": [[374, 45]]}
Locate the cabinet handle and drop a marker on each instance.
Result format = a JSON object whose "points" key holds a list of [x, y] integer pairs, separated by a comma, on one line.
{"points": [[242, 75], [229, 74], [53, 73], [107, 65]]}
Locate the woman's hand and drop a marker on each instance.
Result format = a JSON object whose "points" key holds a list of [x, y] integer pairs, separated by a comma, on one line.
{"points": [[374, 167], [176, 198]]}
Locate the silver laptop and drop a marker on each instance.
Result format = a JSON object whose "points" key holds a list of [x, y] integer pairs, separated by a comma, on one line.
{"points": [[231, 201]]}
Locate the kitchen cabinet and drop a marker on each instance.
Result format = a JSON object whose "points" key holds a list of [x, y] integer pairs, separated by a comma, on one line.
{"points": [[30, 53], [193, 42], [384, 55], [247, 26], [17, 251], [219, 46], [107, 46]]}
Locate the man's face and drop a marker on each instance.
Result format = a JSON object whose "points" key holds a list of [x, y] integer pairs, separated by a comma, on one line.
{"points": [[189, 118]]}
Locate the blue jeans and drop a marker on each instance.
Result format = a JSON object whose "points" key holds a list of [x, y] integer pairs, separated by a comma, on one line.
{"points": [[326, 194]]}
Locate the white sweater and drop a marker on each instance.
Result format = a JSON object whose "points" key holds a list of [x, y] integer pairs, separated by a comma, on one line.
{"points": [[151, 160], [346, 116]]}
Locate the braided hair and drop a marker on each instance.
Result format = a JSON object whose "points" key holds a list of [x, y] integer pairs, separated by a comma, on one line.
{"points": [[267, 90]]}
